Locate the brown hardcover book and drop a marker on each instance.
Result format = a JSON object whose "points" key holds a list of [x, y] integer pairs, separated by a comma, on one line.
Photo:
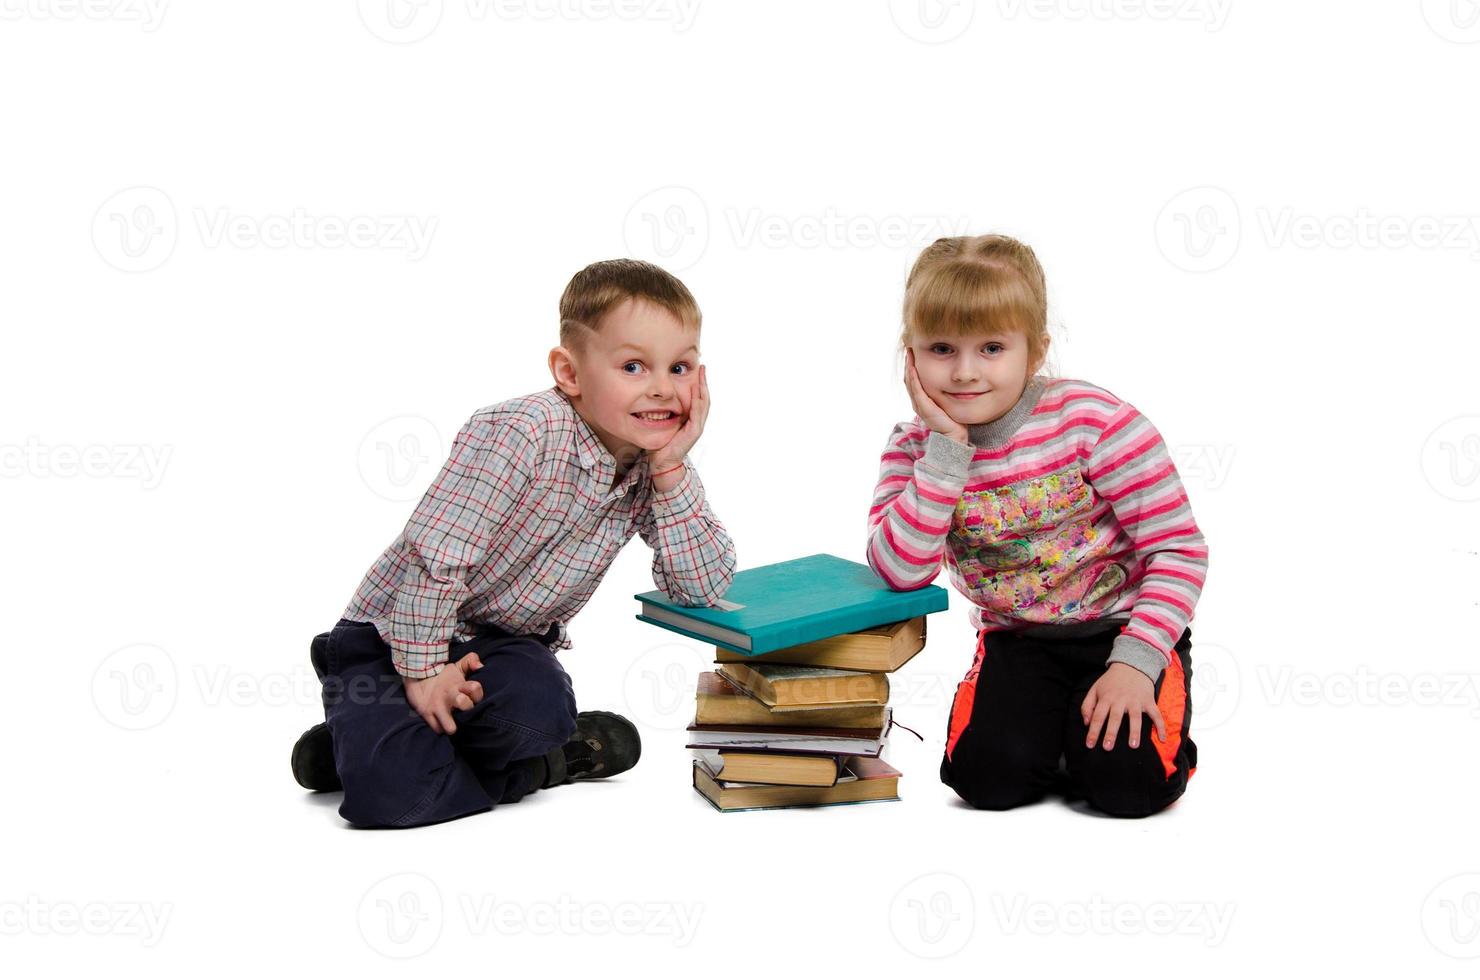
{"points": [[883, 649], [721, 703], [779, 768], [787, 685], [865, 780]]}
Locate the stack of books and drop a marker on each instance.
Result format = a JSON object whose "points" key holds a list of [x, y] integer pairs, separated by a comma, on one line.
{"points": [[796, 712]]}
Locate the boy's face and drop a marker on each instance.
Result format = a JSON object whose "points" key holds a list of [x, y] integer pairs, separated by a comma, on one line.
{"points": [[641, 360], [992, 364]]}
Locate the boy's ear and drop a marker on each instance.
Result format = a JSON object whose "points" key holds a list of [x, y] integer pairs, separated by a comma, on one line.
{"points": [[563, 370]]}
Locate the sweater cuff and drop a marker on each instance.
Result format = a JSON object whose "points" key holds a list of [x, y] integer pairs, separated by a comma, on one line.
{"points": [[1138, 654], [945, 455]]}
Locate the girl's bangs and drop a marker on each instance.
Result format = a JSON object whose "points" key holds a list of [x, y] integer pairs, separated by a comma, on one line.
{"points": [[962, 298]]}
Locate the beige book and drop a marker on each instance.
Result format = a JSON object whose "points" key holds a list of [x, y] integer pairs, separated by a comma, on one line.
{"points": [[865, 780], [788, 685], [721, 703], [882, 649]]}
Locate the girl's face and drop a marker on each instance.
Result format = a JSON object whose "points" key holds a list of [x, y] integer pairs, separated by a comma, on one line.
{"points": [[976, 378]]}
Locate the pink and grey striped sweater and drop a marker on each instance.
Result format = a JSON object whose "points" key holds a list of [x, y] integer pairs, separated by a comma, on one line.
{"points": [[1066, 511]]}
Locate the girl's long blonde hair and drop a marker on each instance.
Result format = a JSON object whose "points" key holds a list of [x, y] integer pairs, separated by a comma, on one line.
{"points": [[971, 284]]}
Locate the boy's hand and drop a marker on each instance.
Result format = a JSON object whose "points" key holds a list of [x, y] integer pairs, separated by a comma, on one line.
{"points": [[1121, 690], [694, 413], [434, 698], [930, 413]]}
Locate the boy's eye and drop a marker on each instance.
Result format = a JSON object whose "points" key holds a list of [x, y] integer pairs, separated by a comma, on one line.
{"points": [[999, 348], [687, 368], [940, 348], [629, 364]]}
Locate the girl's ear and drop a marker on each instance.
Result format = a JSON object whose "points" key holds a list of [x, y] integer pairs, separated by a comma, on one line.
{"points": [[1042, 358], [563, 370]]}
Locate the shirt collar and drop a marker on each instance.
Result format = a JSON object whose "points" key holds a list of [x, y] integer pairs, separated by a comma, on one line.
{"points": [[589, 449], [594, 457]]}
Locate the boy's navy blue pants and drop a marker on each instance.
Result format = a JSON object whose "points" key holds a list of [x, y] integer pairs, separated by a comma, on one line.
{"points": [[398, 772], [1016, 716]]}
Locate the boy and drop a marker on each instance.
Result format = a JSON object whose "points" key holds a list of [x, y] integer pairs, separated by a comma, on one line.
{"points": [[442, 693]]}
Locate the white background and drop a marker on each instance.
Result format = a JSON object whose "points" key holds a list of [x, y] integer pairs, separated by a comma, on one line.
{"points": [[1256, 221]]}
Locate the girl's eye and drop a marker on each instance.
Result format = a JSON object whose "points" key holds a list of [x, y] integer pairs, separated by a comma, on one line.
{"points": [[940, 349], [999, 348]]}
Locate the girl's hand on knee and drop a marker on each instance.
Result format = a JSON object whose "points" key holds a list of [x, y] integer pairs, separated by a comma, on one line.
{"points": [[435, 698], [1121, 691]]}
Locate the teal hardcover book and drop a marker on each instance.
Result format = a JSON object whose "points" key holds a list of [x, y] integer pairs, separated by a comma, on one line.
{"points": [[791, 602]]}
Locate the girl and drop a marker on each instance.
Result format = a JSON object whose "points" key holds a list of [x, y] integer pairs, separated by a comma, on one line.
{"points": [[1060, 515]]}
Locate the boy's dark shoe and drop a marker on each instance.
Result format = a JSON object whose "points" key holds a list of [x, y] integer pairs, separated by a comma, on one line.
{"points": [[313, 760], [604, 744]]}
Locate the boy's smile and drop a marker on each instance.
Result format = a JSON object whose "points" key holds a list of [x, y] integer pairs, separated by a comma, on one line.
{"points": [[634, 380]]}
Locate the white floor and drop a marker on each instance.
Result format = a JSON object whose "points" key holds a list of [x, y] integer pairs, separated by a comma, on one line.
{"points": [[1346, 825]]}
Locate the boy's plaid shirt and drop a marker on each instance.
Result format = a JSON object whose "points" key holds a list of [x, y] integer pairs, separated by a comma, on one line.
{"points": [[518, 529]]}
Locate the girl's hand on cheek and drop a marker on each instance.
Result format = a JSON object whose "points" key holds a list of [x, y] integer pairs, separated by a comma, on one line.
{"points": [[930, 413]]}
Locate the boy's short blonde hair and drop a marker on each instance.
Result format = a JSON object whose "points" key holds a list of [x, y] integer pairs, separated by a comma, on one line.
{"points": [[974, 284], [597, 289]]}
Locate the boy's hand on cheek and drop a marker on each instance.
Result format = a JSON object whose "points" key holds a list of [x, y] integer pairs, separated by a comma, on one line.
{"points": [[1121, 691], [695, 412]]}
